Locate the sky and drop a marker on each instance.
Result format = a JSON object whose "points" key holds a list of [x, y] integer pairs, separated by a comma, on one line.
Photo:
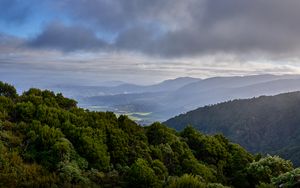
{"points": [[140, 41]]}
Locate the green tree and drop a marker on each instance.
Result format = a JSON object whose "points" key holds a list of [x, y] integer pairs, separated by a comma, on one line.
{"points": [[289, 179], [7, 90], [160, 170], [25, 111], [142, 175], [266, 168], [187, 181]]}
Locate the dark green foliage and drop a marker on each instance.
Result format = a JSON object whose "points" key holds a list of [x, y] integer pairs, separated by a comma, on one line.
{"points": [[266, 185], [191, 181], [267, 168], [160, 170], [142, 175], [288, 179], [192, 166], [266, 124], [47, 141], [7, 90], [187, 181], [228, 160]]}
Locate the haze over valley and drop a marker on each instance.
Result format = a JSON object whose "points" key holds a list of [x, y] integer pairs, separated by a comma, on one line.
{"points": [[159, 102]]}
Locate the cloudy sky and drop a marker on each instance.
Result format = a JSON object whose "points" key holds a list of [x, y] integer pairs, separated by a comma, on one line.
{"points": [[143, 41]]}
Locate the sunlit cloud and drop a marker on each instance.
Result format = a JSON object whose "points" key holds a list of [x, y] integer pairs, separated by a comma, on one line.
{"points": [[146, 42]]}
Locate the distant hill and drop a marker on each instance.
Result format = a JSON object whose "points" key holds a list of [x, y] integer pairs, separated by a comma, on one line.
{"points": [[119, 87], [173, 97], [267, 124]]}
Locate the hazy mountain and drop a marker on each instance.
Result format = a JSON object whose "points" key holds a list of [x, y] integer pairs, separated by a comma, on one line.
{"points": [[173, 84], [199, 96], [236, 81], [164, 101], [119, 87]]}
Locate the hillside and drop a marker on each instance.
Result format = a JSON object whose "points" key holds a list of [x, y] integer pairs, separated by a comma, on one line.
{"points": [[267, 124], [47, 141]]}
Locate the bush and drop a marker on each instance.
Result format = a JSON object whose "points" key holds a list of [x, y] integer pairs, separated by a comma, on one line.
{"points": [[288, 179], [267, 168]]}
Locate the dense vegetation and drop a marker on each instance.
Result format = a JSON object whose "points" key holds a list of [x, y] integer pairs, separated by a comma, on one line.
{"points": [[267, 124], [47, 141]]}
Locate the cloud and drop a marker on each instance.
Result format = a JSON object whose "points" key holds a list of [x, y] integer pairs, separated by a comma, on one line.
{"points": [[116, 15], [144, 41], [67, 38], [9, 44], [171, 28], [181, 28], [14, 11], [26, 66], [136, 38]]}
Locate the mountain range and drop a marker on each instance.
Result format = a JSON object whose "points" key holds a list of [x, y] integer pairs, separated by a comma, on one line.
{"points": [[164, 100]]}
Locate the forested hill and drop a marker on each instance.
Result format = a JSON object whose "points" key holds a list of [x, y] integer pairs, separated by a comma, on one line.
{"points": [[47, 141], [267, 124]]}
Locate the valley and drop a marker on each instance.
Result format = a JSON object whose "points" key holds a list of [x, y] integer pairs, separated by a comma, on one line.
{"points": [[172, 97]]}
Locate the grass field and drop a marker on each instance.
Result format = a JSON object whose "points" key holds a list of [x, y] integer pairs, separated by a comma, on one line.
{"points": [[139, 117]]}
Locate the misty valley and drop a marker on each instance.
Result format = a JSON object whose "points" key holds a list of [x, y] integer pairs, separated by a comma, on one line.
{"points": [[159, 102]]}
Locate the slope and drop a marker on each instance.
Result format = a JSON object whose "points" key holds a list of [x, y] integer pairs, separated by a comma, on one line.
{"points": [[267, 124]]}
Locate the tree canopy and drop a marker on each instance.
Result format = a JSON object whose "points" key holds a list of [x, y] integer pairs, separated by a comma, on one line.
{"points": [[266, 124], [47, 141]]}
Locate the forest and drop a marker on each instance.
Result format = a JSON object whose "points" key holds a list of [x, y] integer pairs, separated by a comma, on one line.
{"points": [[47, 141], [265, 124]]}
